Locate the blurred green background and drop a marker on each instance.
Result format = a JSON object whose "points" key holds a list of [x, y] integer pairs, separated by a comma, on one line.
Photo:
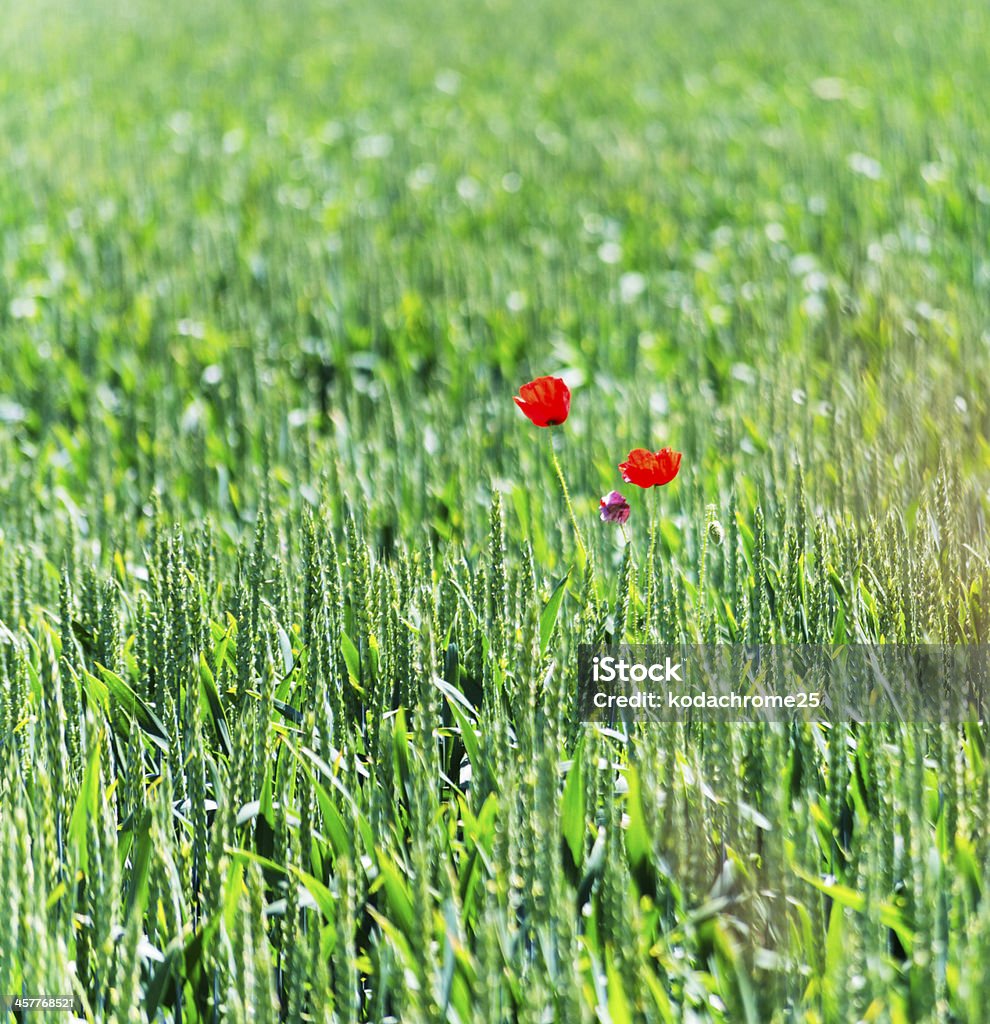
{"points": [[289, 245]]}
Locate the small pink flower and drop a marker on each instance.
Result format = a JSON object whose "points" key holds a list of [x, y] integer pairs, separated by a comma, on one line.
{"points": [[613, 508]]}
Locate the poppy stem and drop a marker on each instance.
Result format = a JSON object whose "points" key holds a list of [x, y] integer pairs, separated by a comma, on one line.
{"points": [[651, 593], [703, 570], [567, 498]]}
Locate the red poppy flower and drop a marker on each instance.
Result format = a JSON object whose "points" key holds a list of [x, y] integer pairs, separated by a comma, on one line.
{"points": [[650, 469], [546, 401]]}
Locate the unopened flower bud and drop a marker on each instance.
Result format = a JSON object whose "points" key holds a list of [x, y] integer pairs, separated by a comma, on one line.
{"points": [[716, 534]]}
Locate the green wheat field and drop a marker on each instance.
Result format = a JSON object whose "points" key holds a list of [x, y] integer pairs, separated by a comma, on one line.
{"points": [[290, 600]]}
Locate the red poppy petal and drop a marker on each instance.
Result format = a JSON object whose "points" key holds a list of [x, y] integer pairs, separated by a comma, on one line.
{"points": [[533, 411], [633, 475], [668, 463], [534, 390], [650, 469], [638, 468]]}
